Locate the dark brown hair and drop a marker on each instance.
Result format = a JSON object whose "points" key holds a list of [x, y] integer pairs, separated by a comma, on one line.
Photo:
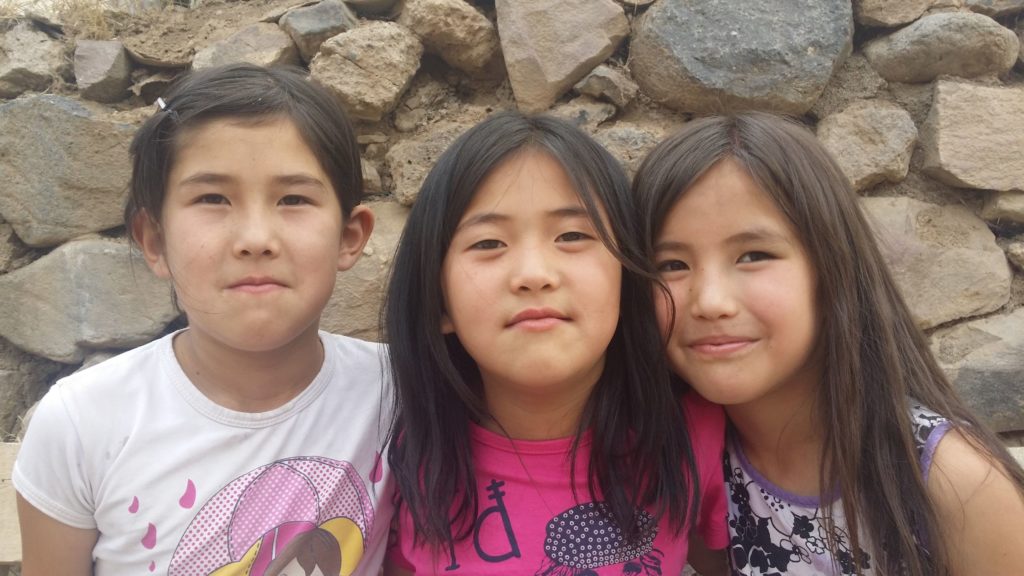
{"points": [[873, 356], [247, 93]]}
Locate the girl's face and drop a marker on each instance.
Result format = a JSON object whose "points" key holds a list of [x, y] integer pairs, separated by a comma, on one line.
{"points": [[251, 235], [743, 288], [530, 289]]}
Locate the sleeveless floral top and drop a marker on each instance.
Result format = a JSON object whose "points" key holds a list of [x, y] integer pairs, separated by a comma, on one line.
{"points": [[774, 532]]}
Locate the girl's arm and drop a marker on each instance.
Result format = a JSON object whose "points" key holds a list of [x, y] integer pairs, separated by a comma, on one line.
{"points": [[980, 508], [704, 560], [52, 547]]}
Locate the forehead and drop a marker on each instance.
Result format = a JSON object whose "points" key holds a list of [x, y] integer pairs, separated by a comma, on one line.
{"points": [[526, 181], [725, 199]]}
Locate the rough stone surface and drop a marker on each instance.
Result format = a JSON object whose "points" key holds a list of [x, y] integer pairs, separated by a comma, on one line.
{"points": [[549, 46], [1015, 252], [609, 84], [309, 26], [854, 80], [64, 172], [629, 143], [29, 60], [374, 7], [262, 44], [85, 295], [1020, 38], [23, 380], [584, 112], [152, 86], [354, 308], [889, 13], [102, 70], [944, 258], [723, 55], [368, 68], [1004, 207], [458, 33], [13, 252], [995, 8], [974, 136], [954, 43], [872, 141], [985, 360], [411, 159], [371, 178]]}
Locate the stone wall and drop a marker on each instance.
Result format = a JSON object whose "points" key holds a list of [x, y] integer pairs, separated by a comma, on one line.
{"points": [[921, 101]]}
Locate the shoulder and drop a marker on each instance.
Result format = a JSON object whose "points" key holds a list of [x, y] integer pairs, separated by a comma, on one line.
{"points": [[350, 350], [979, 505]]}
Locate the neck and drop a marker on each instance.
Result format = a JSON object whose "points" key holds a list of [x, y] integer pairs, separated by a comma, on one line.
{"points": [[249, 381], [782, 437], [526, 415]]}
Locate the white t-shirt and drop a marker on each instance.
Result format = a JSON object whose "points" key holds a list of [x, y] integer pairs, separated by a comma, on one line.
{"points": [[178, 485]]}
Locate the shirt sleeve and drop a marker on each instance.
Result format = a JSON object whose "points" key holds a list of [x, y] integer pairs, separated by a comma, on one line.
{"points": [[706, 422], [50, 470]]}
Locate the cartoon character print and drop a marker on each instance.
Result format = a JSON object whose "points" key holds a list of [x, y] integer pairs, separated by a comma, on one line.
{"points": [[583, 539], [293, 516]]}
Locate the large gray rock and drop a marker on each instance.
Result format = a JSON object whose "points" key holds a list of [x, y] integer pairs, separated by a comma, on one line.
{"points": [[354, 308], [457, 32], [725, 55], [954, 43], [1015, 252], [985, 360], [995, 7], [29, 60], [374, 7], [13, 253], [549, 46], [102, 70], [611, 84], [262, 43], [368, 68], [974, 136], [309, 26], [87, 294], [889, 13], [1020, 37], [1004, 208], [411, 159], [854, 80], [23, 380], [872, 141], [64, 172], [944, 258]]}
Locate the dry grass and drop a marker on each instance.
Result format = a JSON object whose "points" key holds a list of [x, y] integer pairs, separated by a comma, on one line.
{"points": [[89, 19], [10, 9]]}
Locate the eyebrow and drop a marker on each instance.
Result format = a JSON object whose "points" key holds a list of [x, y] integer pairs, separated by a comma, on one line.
{"points": [[493, 217], [296, 179], [744, 237]]}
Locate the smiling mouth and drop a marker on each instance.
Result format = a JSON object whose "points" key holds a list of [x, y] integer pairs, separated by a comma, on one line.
{"points": [[256, 285], [720, 346]]}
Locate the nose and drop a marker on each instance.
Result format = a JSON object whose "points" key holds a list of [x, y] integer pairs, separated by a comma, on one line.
{"points": [[256, 234], [534, 269], [712, 295]]}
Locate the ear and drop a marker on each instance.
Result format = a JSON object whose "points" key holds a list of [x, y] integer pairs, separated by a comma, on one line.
{"points": [[150, 238], [446, 324], [355, 232]]}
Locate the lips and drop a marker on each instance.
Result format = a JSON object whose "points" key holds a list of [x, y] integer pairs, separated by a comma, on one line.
{"points": [[256, 284], [537, 319], [720, 345]]}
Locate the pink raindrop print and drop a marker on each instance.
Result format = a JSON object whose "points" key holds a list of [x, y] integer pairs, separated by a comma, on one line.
{"points": [[149, 540], [135, 505], [188, 499], [152, 566], [378, 469]]}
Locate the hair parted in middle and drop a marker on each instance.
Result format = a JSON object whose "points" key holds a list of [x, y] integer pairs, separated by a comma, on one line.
{"points": [[640, 454], [873, 357]]}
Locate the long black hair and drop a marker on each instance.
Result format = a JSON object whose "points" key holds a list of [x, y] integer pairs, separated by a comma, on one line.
{"points": [[640, 455]]}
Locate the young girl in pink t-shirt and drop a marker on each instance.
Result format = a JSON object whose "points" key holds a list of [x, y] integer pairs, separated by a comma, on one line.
{"points": [[537, 430]]}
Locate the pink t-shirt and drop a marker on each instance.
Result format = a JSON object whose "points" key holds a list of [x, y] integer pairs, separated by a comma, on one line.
{"points": [[529, 522]]}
